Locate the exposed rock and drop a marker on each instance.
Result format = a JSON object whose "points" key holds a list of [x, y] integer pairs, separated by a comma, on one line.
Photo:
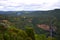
{"points": [[46, 27]]}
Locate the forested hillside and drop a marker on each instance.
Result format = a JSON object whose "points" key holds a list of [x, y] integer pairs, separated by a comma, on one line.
{"points": [[30, 25]]}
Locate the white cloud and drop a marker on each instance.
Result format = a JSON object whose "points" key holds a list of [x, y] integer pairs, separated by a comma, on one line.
{"points": [[15, 5]]}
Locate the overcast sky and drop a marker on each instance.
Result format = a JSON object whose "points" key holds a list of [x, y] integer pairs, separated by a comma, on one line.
{"points": [[18, 5]]}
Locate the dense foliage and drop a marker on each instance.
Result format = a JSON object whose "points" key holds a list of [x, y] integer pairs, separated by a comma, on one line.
{"points": [[23, 26], [12, 33]]}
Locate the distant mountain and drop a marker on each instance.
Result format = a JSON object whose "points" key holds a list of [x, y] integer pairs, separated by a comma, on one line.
{"points": [[51, 13]]}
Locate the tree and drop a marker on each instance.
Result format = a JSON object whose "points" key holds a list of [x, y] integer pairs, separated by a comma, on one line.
{"points": [[30, 33]]}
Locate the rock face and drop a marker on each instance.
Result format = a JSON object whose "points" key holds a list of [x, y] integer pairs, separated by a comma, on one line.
{"points": [[46, 27]]}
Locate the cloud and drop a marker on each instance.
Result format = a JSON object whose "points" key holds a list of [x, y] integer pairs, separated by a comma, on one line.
{"points": [[18, 5]]}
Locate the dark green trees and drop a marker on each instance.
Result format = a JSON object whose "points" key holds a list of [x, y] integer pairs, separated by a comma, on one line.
{"points": [[30, 33]]}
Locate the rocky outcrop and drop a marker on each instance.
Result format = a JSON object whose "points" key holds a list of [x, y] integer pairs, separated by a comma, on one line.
{"points": [[46, 27]]}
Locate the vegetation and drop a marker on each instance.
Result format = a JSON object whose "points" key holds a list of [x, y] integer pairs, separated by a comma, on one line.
{"points": [[25, 25]]}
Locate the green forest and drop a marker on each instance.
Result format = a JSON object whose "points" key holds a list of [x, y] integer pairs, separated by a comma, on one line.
{"points": [[30, 25]]}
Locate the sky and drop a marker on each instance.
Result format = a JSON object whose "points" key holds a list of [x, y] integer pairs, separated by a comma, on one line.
{"points": [[29, 5]]}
